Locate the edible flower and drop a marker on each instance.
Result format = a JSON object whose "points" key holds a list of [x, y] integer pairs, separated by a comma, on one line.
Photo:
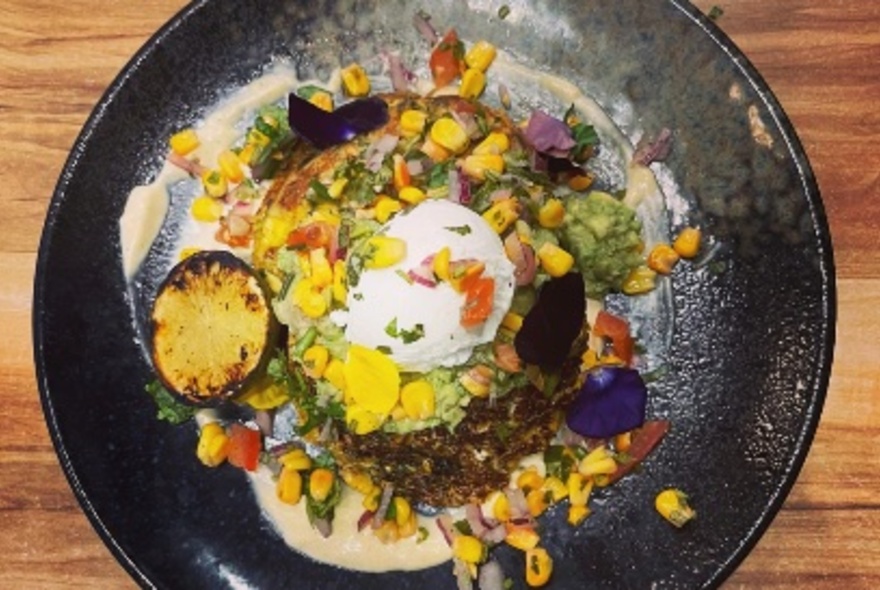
{"points": [[550, 327], [372, 379], [549, 135], [325, 129], [612, 400]]}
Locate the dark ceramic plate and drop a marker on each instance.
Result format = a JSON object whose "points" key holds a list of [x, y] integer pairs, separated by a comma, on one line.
{"points": [[752, 331]]}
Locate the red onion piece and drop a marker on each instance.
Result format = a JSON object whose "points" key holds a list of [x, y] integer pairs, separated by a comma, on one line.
{"points": [[379, 517], [495, 535], [425, 29], [376, 152], [462, 575], [238, 225], [474, 516], [397, 73], [415, 167], [365, 519], [191, 167], [454, 185], [491, 576], [519, 508], [654, 151], [523, 258], [264, 421], [467, 121], [500, 194], [444, 523]]}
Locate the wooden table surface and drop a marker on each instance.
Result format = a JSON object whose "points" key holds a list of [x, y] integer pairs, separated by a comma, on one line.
{"points": [[821, 58]]}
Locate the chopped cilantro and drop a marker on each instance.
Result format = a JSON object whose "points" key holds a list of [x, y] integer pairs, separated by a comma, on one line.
{"points": [[421, 535], [461, 230], [584, 135], [716, 12], [309, 90], [408, 336], [384, 349], [404, 276], [438, 175], [504, 11], [391, 328], [318, 193], [463, 527], [169, 408]]}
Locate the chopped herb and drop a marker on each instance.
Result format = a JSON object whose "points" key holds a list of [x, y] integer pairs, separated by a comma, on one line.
{"points": [[285, 286], [309, 90], [404, 276], [508, 583], [503, 11], [391, 328], [318, 193], [305, 341], [384, 349], [461, 230], [463, 527], [169, 408], [584, 135], [421, 534], [438, 175], [358, 296], [503, 431], [316, 411], [716, 12], [408, 336]]}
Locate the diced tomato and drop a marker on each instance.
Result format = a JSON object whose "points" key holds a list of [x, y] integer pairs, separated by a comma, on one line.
{"points": [[244, 447], [617, 329], [478, 302], [644, 439], [447, 59], [317, 234]]}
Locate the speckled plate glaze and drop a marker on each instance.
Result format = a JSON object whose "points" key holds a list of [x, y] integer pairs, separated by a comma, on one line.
{"points": [[752, 337]]}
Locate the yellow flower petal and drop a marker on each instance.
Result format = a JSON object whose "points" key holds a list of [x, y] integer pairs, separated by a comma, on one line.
{"points": [[372, 379]]}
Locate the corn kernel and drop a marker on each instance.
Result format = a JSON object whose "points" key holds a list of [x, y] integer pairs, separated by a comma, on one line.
{"points": [[357, 480], [334, 373], [340, 288], [640, 280], [687, 243], [355, 81], [410, 527], [321, 484], [529, 480], [434, 150], [206, 209], [623, 442], [296, 460], [557, 488], [230, 166], [477, 380], [448, 134], [388, 532], [523, 538], [501, 507], [187, 252], [468, 549], [480, 56], [536, 500], [551, 214], [336, 187], [673, 505], [411, 195], [440, 264], [473, 82], [184, 142], [214, 183], [322, 272], [384, 251], [476, 166], [360, 420], [579, 489], [502, 214], [402, 511], [309, 299], [577, 514], [322, 100], [417, 399], [289, 486], [386, 207], [495, 143], [398, 413], [662, 259], [246, 154], [539, 566], [257, 138], [512, 321], [556, 261], [581, 182], [371, 499], [412, 122], [598, 462], [213, 447], [315, 360]]}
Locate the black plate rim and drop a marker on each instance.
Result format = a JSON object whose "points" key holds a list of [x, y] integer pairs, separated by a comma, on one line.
{"points": [[818, 392]]}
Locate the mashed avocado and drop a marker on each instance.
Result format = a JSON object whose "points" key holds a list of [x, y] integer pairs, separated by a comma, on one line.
{"points": [[604, 236]]}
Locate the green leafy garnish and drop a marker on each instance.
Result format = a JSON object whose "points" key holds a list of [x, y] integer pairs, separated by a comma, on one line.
{"points": [[318, 193], [584, 135], [461, 230], [408, 336], [316, 410], [169, 408], [716, 12]]}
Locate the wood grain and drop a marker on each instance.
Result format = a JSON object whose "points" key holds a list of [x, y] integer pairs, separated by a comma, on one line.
{"points": [[822, 59]]}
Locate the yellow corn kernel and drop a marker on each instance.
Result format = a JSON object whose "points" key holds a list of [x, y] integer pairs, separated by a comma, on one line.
{"points": [[257, 138], [340, 288], [589, 359], [321, 484], [536, 500], [577, 514], [322, 100], [385, 251], [556, 261], [448, 134], [495, 143], [502, 214], [357, 480], [523, 538], [581, 182], [473, 82], [334, 373], [640, 280], [206, 209], [309, 299], [512, 321], [477, 380], [468, 549], [418, 399], [187, 252], [230, 166], [371, 499], [386, 207], [672, 504], [501, 507], [336, 187], [556, 487], [551, 214], [662, 259], [440, 264], [579, 489], [480, 56], [410, 527], [411, 195], [434, 150], [322, 272], [355, 81], [623, 442], [315, 360], [402, 510], [412, 122], [246, 154], [529, 480], [687, 243], [476, 165], [398, 413], [289, 486], [539, 566], [214, 183], [388, 532], [597, 462], [360, 420], [184, 142], [296, 460], [213, 445]]}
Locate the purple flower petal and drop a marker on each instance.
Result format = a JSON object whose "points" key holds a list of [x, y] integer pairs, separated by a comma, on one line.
{"points": [[548, 135], [550, 327], [325, 129], [612, 400], [654, 151]]}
